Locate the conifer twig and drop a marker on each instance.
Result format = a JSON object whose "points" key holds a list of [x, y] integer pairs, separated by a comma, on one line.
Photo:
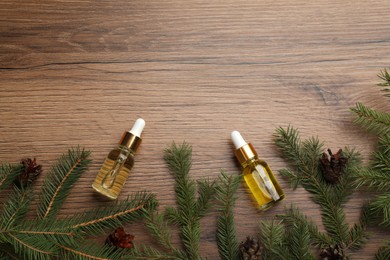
{"points": [[8, 174], [178, 159], [371, 119], [226, 233], [60, 180], [304, 156], [385, 77]]}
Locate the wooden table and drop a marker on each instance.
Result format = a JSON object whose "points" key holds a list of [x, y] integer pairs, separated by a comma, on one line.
{"points": [[80, 72]]}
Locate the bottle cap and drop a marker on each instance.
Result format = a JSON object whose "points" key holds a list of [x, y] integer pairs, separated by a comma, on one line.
{"points": [[138, 127], [237, 139], [132, 139], [244, 151]]}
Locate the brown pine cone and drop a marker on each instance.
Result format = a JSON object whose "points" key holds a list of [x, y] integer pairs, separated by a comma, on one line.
{"points": [[30, 172], [333, 165], [119, 238], [332, 253], [250, 249]]}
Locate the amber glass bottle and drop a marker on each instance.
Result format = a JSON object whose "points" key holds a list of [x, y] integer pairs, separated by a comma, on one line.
{"points": [[258, 176], [118, 163]]}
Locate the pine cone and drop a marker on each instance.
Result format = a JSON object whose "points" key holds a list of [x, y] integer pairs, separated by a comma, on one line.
{"points": [[30, 172], [250, 249], [332, 167], [332, 253], [119, 238]]}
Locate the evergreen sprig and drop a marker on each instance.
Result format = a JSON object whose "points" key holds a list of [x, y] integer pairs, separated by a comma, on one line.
{"points": [[376, 176], [226, 233], [47, 237], [190, 208], [371, 119], [385, 77], [304, 157], [60, 179], [285, 240]]}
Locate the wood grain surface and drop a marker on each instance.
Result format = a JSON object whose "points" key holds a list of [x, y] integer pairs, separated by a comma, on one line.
{"points": [[80, 72]]}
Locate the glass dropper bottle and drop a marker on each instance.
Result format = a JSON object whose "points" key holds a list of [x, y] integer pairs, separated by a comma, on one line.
{"points": [[118, 163], [257, 174]]}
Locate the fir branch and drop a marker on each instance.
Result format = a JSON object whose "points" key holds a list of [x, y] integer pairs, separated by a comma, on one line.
{"points": [[178, 159], [7, 252], [128, 210], [381, 206], [60, 180], [295, 179], [385, 77], [52, 230], [357, 234], [335, 223], [272, 235], [226, 233], [31, 247], [372, 120], [297, 239], [373, 180], [159, 229], [16, 207], [381, 157], [8, 173], [206, 191], [149, 253], [91, 252], [293, 215], [304, 156], [383, 252]]}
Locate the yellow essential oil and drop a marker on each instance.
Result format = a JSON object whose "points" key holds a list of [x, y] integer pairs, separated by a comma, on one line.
{"points": [[258, 177], [118, 163]]}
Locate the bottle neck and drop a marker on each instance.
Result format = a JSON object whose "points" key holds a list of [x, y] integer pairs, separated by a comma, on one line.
{"points": [[130, 141], [246, 155]]}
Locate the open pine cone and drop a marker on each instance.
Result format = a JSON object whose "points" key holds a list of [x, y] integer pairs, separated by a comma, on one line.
{"points": [[333, 165], [30, 172], [250, 249], [119, 238], [332, 252]]}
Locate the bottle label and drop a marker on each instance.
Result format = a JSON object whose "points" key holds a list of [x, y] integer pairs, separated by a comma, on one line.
{"points": [[263, 180]]}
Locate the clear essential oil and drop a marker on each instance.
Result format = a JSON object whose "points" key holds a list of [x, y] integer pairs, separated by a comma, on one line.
{"points": [[257, 174], [118, 163]]}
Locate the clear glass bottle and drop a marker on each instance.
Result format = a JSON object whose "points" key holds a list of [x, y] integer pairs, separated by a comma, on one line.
{"points": [[118, 163], [257, 174]]}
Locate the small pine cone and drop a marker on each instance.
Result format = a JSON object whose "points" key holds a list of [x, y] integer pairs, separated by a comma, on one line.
{"points": [[250, 249], [119, 238], [333, 165], [30, 172], [332, 253]]}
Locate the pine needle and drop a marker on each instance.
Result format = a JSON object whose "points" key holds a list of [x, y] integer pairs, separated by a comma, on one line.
{"points": [[272, 237], [304, 157], [293, 215], [383, 252], [385, 77], [91, 252], [148, 253], [60, 180], [226, 233], [178, 159], [372, 120], [16, 207], [127, 210], [373, 180], [8, 174]]}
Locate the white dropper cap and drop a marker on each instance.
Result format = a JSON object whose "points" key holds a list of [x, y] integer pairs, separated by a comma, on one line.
{"points": [[237, 139], [138, 127]]}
